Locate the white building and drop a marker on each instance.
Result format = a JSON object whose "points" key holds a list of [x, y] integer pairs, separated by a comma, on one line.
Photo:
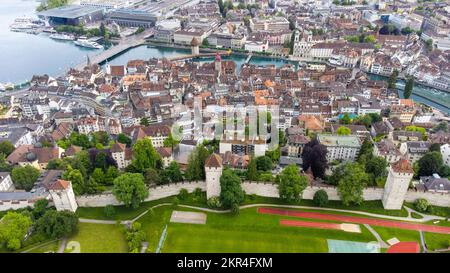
{"points": [[213, 171], [63, 197], [345, 148], [445, 151], [6, 183], [399, 177]]}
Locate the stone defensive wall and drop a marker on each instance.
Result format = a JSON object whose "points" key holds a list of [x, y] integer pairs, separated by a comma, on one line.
{"points": [[264, 189]]}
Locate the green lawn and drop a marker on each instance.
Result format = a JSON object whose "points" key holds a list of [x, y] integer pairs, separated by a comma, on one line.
{"points": [[47, 247], [99, 238], [248, 232], [401, 234], [124, 213], [437, 240]]}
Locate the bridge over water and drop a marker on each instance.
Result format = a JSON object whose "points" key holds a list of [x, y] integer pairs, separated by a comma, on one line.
{"points": [[124, 45]]}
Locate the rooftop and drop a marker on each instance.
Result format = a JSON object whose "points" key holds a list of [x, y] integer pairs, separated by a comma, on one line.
{"points": [[336, 140], [70, 12]]}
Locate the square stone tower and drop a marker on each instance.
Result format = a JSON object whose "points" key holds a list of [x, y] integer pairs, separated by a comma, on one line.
{"points": [[63, 196], [213, 171], [400, 174]]}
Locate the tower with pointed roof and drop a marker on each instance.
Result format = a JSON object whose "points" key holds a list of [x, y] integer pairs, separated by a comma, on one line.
{"points": [[213, 171], [195, 46], [397, 183], [62, 194]]}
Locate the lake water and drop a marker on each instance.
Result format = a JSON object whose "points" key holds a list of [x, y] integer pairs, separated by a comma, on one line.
{"points": [[22, 55]]}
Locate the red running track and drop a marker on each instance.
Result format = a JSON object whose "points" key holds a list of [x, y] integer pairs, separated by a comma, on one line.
{"points": [[358, 220], [296, 223]]}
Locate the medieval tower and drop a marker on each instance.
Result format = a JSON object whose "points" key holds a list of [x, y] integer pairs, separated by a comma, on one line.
{"points": [[213, 171], [195, 50], [400, 174], [62, 194]]}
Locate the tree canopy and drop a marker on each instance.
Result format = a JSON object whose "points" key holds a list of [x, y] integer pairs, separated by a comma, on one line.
{"points": [[352, 183], [13, 228], [24, 177], [314, 156], [291, 184], [130, 189], [196, 163], [144, 155], [231, 191]]}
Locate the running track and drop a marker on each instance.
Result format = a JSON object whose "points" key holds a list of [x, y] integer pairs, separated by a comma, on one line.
{"points": [[324, 225], [358, 220]]}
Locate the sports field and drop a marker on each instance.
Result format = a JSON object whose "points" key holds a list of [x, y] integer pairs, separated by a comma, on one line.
{"points": [[248, 232]]}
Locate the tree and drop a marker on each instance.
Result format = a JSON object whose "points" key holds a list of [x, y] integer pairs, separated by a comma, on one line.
{"points": [[152, 177], [435, 147], [122, 138], [345, 119], [13, 228], [429, 44], [442, 126], [144, 121], [408, 88], [376, 168], [370, 39], [320, 198], [291, 184], [343, 131], [419, 129], [172, 173], [170, 142], [351, 184], [421, 205], [366, 151], [231, 191], [98, 175], [24, 177], [144, 155], [4, 166], [252, 172], [40, 206], [263, 163], [6, 147], [430, 163], [110, 175], [406, 30], [130, 189], [56, 224], [76, 178], [196, 164], [393, 79], [135, 236], [314, 156]]}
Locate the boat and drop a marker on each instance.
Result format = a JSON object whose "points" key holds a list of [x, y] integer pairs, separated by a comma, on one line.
{"points": [[2, 87], [26, 24], [64, 37], [87, 43]]}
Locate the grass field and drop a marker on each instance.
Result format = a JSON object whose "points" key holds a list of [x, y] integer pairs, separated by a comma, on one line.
{"points": [[47, 247], [99, 238], [248, 232]]}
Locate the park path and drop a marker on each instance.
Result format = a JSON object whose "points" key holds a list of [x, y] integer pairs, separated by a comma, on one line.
{"points": [[425, 218], [62, 247], [422, 241], [358, 220], [377, 236]]}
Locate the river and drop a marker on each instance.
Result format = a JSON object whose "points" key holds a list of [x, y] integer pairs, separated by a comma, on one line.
{"points": [[24, 55]]}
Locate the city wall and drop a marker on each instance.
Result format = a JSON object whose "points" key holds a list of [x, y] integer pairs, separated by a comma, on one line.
{"points": [[261, 189]]}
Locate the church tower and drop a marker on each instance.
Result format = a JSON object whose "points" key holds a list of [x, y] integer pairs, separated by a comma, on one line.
{"points": [[62, 194], [400, 174], [213, 171]]}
